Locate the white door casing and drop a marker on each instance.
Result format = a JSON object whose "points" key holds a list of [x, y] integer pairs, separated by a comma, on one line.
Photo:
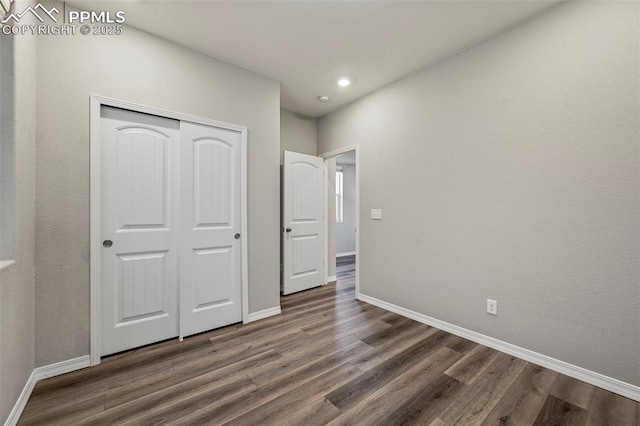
{"points": [[303, 222], [211, 239], [140, 218], [326, 156]]}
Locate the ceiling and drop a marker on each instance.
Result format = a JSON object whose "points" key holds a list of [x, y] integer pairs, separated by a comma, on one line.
{"points": [[306, 44]]}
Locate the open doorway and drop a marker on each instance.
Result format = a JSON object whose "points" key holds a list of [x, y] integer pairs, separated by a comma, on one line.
{"points": [[345, 230], [342, 218]]}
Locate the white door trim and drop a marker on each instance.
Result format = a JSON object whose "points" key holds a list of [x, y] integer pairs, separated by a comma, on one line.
{"points": [[326, 156], [95, 205]]}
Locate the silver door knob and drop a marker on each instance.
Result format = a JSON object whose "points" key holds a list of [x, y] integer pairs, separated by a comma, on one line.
{"points": [[237, 236], [107, 243]]}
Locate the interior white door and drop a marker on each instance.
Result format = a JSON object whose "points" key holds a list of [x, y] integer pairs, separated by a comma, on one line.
{"points": [[139, 254], [303, 226], [210, 255]]}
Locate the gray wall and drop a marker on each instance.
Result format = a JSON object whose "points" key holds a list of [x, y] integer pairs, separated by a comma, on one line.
{"points": [[140, 68], [346, 231], [298, 133], [510, 171], [7, 148], [17, 281]]}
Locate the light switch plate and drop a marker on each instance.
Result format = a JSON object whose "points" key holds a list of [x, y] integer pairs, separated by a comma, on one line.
{"points": [[376, 214]]}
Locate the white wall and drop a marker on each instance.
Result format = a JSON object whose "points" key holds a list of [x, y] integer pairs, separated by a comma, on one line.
{"points": [[144, 69], [510, 171], [17, 281], [346, 231], [298, 133]]}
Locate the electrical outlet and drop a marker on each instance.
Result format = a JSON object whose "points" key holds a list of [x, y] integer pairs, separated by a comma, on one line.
{"points": [[492, 307]]}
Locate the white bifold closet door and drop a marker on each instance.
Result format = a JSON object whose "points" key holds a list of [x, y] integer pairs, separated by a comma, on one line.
{"points": [[140, 229], [210, 265], [170, 221]]}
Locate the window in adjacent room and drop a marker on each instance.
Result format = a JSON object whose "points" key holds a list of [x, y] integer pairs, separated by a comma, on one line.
{"points": [[339, 195]]}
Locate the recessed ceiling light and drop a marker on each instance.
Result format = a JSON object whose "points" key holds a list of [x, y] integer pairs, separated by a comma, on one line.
{"points": [[323, 99], [343, 82]]}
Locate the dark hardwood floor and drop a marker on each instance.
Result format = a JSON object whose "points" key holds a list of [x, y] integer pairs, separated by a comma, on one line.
{"points": [[328, 359]]}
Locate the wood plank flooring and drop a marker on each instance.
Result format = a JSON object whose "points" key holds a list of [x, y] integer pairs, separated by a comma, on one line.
{"points": [[328, 359]]}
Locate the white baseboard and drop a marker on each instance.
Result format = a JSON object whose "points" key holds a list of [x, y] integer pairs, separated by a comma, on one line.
{"points": [[265, 313], [6, 263], [614, 385], [42, 373], [331, 279], [18, 408], [346, 253], [62, 367]]}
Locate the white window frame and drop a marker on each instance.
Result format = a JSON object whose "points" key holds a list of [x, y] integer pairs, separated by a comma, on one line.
{"points": [[339, 195]]}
